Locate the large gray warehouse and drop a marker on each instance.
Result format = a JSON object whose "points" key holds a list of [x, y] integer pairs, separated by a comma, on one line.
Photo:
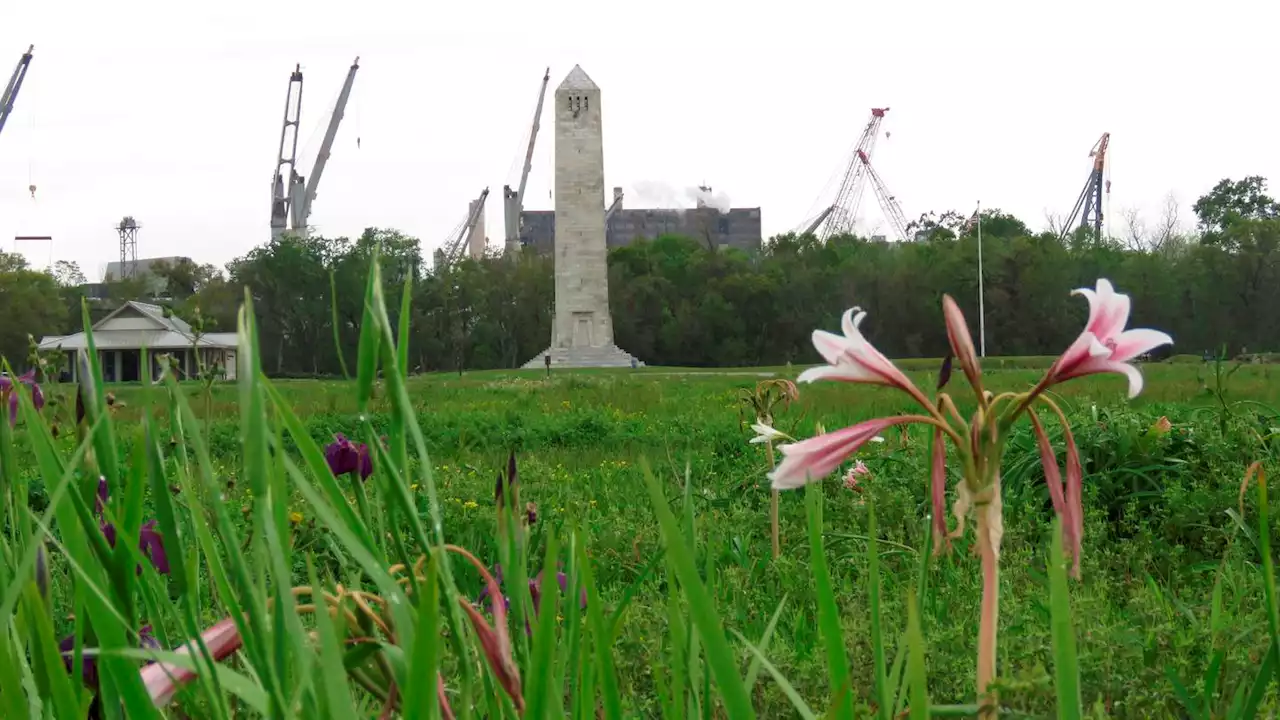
{"points": [[738, 228]]}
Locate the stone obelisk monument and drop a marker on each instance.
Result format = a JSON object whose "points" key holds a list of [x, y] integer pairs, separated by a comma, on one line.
{"points": [[582, 329]]}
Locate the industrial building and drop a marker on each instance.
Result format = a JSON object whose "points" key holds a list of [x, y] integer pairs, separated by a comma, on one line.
{"points": [[144, 269], [738, 228]]}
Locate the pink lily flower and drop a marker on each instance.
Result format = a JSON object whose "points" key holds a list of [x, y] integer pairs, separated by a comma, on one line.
{"points": [[852, 359], [1105, 346], [813, 459], [162, 680]]}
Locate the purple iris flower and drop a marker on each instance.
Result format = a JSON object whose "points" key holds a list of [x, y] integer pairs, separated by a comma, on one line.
{"points": [[346, 457], [535, 591], [89, 663], [6, 388], [150, 541]]}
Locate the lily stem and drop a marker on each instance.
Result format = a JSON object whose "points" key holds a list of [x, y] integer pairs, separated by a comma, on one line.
{"points": [[773, 506], [988, 532]]}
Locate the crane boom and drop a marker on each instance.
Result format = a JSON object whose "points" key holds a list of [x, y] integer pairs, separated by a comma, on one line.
{"points": [[453, 252], [613, 206], [1088, 206], [888, 203], [813, 226], [15, 84], [513, 201], [326, 147], [292, 113], [839, 216]]}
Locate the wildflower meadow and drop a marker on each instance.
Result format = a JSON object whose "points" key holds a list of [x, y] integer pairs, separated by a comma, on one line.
{"points": [[1086, 535]]}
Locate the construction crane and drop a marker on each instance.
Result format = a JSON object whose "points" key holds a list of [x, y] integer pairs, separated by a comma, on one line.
{"points": [[456, 244], [888, 203], [614, 206], [513, 200], [1089, 206], [838, 217], [291, 210], [15, 84]]}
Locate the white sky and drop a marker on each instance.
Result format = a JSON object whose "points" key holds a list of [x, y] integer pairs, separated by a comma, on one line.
{"points": [[172, 114]]}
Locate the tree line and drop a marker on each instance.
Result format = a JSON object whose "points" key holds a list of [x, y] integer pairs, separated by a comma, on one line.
{"points": [[677, 302]]}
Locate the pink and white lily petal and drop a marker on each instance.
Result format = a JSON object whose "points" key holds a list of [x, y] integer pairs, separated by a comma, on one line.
{"points": [[1105, 346], [1067, 499], [162, 680], [962, 343], [852, 359], [938, 492], [767, 433], [814, 459]]}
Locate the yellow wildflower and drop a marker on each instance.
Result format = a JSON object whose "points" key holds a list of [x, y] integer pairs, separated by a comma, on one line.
{"points": [[295, 517]]}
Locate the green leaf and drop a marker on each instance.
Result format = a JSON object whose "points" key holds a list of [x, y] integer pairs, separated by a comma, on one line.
{"points": [[884, 699], [607, 676], [797, 702], [753, 670], [917, 676], [1066, 669], [420, 697], [702, 610], [540, 673], [828, 613]]}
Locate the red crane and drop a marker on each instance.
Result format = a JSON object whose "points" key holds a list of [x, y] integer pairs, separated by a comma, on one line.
{"points": [[838, 217], [888, 203]]}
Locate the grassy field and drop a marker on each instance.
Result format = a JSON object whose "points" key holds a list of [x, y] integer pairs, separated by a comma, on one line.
{"points": [[1158, 534]]}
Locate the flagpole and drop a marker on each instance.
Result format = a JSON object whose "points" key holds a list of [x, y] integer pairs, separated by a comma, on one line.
{"points": [[982, 310]]}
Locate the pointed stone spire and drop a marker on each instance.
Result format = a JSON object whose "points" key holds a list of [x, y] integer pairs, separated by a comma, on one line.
{"points": [[577, 79]]}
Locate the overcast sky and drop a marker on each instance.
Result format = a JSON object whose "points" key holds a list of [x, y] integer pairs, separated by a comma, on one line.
{"points": [[173, 115]]}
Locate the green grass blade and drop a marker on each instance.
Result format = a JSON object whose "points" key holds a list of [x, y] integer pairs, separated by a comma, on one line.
{"points": [[337, 696], [238, 684], [387, 586], [13, 704], [801, 707], [313, 457], [615, 619], [883, 697], [702, 612], [1066, 669], [367, 354], [753, 670], [166, 518], [601, 634], [95, 402], [917, 676], [420, 696], [46, 657], [540, 672], [402, 337], [1261, 682], [828, 613], [1268, 564]]}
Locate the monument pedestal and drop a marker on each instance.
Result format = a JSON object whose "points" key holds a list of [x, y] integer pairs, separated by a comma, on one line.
{"points": [[605, 356]]}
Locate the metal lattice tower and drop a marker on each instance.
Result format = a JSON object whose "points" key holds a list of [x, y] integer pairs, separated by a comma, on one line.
{"points": [[128, 230], [838, 218], [1088, 206]]}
